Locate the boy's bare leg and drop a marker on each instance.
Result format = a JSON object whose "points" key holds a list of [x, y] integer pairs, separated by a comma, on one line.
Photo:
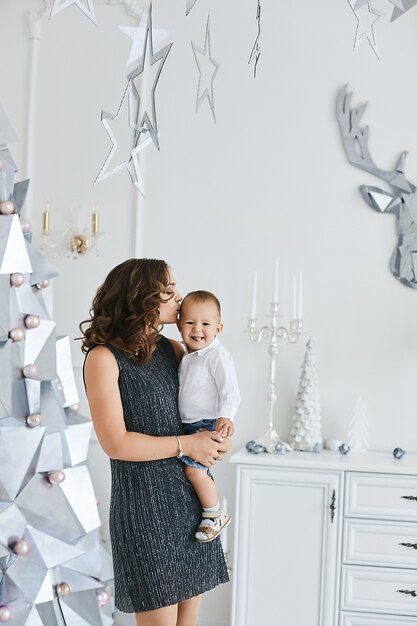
{"points": [[204, 486]]}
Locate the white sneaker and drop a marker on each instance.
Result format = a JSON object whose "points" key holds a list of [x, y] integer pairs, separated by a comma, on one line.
{"points": [[212, 524]]}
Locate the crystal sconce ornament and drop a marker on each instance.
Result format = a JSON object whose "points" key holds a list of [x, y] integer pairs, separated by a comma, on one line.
{"points": [[72, 242]]}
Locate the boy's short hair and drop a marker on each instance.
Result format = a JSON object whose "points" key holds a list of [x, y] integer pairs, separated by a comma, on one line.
{"points": [[203, 296]]}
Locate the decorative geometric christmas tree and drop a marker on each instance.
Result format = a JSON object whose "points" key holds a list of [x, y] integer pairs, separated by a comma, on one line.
{"points": [[54, 570], [306, 430], [358, 431]]}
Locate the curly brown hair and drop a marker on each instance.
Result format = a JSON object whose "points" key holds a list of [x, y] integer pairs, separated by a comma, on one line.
{"points": [[125, 309]]}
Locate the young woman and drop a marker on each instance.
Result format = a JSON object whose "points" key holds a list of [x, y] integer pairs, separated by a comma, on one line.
{"points": [[160, 571]]}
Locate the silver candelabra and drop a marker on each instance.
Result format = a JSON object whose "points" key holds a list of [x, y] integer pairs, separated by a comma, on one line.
{"points": [[275, 334]]}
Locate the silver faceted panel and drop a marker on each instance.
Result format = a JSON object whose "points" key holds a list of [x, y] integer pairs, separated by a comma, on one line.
{"points": [[53, 565]]}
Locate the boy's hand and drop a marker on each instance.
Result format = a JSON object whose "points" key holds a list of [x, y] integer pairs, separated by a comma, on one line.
{"points": [[225, 427]]}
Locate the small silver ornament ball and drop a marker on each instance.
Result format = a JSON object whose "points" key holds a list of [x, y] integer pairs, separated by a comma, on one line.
{"points": [[280, 448], [16, 334], [25, 225], [43, 284], [398, 453], [56, 477], [21, 548], [344, 448], [6, 207], [17, 279], [102, 597], [33, 420], [63, 589], [30, 370], [5, 612], [255, 448], [75, 407], [32, 321]]}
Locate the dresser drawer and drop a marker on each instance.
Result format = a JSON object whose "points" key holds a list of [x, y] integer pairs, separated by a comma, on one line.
{"points": [[372, 542], [382, 496], [377, 590], [361, 619]]}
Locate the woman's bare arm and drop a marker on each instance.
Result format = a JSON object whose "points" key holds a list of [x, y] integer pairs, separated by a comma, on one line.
{"points": [[101, 377]]}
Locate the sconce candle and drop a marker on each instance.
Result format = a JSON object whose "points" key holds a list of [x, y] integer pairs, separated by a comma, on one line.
{"points": [[300, 296], [45, 220], [275, 298], [255, 285], [94, 222], [294, 297]]}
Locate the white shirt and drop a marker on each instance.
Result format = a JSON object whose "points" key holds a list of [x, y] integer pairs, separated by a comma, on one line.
{"points": [[208, 384]]}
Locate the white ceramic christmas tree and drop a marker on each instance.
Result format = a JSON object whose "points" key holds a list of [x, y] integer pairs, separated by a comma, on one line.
{"points": [[306, 430], [358, 431]]}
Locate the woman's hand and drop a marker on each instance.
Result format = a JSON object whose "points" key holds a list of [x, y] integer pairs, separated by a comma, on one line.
{"points": [[205, 447]]}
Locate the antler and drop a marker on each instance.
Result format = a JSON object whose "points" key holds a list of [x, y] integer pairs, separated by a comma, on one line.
{"points": [[354, 138]]}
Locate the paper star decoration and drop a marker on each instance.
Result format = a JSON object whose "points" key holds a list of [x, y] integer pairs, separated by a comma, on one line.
{"points": [[190, 4], [86, 7], [401, 7], [366, 16], [138, 33], [147, 73], [207, 68], [256, 49], [124, 153], [125, 117]]}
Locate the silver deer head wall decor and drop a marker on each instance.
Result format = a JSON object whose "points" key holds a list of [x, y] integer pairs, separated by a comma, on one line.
{"points": [[401, 201]]}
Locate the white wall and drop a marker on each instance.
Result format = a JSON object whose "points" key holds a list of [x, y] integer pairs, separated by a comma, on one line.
{"points": [[269, 179]]}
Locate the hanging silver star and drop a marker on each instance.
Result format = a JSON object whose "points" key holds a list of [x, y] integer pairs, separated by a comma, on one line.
{"points": [[207, 68], [366, 16], [134, 167], [138, 33], [401, 7], [125, 116], [190, 4], [86, 7], [147, 73], [256, 50]]}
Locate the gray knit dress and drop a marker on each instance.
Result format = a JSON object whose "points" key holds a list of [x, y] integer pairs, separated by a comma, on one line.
{"points": [[154, 511]]}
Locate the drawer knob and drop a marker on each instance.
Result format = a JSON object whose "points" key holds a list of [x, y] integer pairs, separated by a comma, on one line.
{"points": [[409, 545], [407, 592], [410, 498], [333, 506]]}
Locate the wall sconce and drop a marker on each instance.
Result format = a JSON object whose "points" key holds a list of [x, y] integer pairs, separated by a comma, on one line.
{"points": [[72, 242]]}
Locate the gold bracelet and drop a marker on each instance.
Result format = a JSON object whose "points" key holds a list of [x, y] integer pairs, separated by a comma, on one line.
{"points": [[180, 450]]}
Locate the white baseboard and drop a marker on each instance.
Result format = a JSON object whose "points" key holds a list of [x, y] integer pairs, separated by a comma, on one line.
{"points": [[209, 622]]}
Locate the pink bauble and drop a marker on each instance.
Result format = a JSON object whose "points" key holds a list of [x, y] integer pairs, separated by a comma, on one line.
{"points": [[21, 548], [5, 612], [6, 207], [75, 407], [56, 476], [30, 370], [17, 279], [62, 590], [16, 334], [32, 321], [43, 284], [102, 597], [25, 225], [33, 420]]}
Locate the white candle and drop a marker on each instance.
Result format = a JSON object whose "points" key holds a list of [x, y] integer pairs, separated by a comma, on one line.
{"points": [[275, 299], [255, 286], [300, 296], [223, 536], [294, 297]]}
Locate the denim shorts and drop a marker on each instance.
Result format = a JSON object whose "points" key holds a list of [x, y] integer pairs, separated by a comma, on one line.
{"points": [[194, 427]]}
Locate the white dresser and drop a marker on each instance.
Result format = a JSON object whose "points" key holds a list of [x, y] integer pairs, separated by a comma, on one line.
{"points": [[325, 540]]}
